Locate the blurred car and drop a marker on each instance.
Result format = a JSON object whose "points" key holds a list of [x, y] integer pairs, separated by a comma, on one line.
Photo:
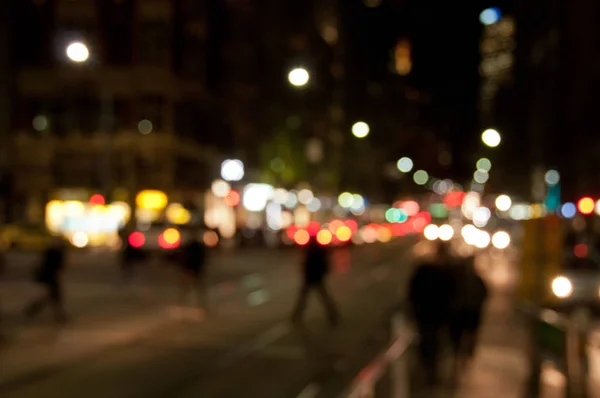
{"points": [[33, 237], [161, 237]]}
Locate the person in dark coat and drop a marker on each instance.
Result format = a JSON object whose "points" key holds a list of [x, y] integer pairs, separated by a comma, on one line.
{"points": [[430, 296], [470, 295], [49, 275], [193, 264], [314, 270]]}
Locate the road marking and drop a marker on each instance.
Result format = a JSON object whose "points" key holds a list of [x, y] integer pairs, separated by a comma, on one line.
{"points": [[310, 391], [259, 343]]}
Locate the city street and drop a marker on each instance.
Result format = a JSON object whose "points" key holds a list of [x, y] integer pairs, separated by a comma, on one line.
{"points": [[125, 342]]}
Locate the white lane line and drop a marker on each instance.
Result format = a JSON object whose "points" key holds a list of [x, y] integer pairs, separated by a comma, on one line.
{"points": [[310, 391]]}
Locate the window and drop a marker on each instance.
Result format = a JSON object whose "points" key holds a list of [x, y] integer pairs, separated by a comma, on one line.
{"points": [[154, 43]]}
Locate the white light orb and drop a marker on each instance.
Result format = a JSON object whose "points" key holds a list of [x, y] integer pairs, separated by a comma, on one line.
{"points": [[446, 232], [431, 232], [491, 138], [562, 287], [78, 52], [405, 164], [360, 129], [80, 240], [232, 170], [501, 240], [503, 203], [298, 77]]}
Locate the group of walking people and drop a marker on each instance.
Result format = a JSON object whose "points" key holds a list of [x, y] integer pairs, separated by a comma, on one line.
{"points": [[446, 296]]}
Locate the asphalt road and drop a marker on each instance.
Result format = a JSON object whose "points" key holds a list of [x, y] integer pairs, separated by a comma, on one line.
{"points": [[137, 342]]}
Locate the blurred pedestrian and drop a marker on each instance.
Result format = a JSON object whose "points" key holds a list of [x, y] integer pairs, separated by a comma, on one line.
{"points": [[131, 257], [430, 296], [49, 276], [193, 264], [470, 295], [315, 268]]}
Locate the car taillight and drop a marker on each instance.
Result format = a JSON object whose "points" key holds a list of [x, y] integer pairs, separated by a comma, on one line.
{"points": [[137, 239], [169, 239]]}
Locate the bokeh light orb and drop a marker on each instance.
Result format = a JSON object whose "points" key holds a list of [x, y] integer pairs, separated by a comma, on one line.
{"points": [[484, 164], [552, 177], [232, 170], [568, 210], [431, 232], [446, 232], [481, 177], [298, 77], [145, 126], [490, 16], [220, 188], [421, 177], [586, 205], [501, 240], [491, 138], [360, 129], [503, 203], [78, 52], [405, 164]]}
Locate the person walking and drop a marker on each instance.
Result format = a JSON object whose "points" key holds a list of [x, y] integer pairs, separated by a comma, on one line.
{"points": [[465, 321], [429, 295], [49, 276], [193, 264], [315, 268]]}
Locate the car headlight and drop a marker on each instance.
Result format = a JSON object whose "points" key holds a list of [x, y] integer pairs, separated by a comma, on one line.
{"points": [[562, 287]]}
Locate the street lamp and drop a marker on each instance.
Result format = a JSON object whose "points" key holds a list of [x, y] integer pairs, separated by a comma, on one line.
{"points": [[298, 77], [78, 52], [360, 129], [491, 138]]}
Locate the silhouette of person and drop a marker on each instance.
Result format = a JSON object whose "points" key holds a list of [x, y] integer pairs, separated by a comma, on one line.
{"points": [[465, 321], [49, 276], [315, 268], [430, 294], [193, 264]]}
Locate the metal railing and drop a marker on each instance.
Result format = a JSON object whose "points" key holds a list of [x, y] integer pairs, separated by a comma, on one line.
{"points": [[564, 338], [391, 362]]}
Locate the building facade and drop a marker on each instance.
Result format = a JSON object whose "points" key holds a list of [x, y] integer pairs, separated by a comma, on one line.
{"points": [[136, 114]]}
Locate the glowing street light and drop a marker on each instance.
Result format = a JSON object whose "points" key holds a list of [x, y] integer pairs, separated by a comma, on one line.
{"points": [[360, 129], [77, 52], [491, 138], [298, 77]]}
